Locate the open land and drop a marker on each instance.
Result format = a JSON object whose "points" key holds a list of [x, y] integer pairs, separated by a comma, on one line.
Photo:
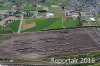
{"points": [[50, 43], [32, 31]]}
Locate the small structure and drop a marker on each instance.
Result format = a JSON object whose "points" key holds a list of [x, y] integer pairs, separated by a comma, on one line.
{"points": [[92, 19], [39, 5], [54, 6], [87, 16], [69, 10], [88, 19], [49, 15], [73, 14], [11, 60]]}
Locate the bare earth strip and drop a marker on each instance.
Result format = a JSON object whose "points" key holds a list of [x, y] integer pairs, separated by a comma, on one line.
{"points": [[27, 26], [49, 43]]}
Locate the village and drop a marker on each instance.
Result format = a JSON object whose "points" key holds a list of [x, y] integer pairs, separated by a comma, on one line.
{"points": [[41, 15]]}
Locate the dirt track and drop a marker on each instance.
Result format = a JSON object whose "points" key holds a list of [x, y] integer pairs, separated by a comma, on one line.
{"points": [[55, 42], [27, 26]]}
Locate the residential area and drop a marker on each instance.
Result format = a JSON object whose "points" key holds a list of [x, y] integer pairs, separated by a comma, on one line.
{"points": [[41, 15]]}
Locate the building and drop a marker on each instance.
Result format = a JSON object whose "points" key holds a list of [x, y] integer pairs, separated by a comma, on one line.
{"points": [[92, 19], [49, 15], [73, 14], [85, 16]]}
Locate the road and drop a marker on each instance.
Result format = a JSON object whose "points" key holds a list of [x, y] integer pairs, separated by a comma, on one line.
{"points": [[21, 22]]}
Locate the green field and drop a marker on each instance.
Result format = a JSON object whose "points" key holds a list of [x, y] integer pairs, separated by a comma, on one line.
{"points": [[70, 23], [5, 31], [56, 24], [13, 27], [41, 24], [5, 8], [29, 8], [0, 27], [96, 23], [50, 23], [29, 20]]}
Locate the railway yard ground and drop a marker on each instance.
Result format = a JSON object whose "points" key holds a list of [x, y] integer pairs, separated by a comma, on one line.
{"points": [[36, 45]]}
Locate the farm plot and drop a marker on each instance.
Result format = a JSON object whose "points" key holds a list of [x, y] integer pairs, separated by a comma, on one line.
{"points": [[58, 12], [5, 8], [45, 24], [70, 23], [50, 23], [0, 27], [6, 31], [26, 25], [3, 11], [13, 27], [96, 23], [55, 25], [29, 8]]}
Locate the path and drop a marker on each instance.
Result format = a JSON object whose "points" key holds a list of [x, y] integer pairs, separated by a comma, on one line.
{"points": [[21, 22]]}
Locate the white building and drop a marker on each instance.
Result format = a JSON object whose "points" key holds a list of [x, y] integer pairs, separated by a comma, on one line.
{"points": [[92, 19], [49, 15]]}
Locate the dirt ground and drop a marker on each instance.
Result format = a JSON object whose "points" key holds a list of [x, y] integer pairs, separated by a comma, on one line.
{"points": [[49, 43], [3, 11], [58, 12], [25, 25]]}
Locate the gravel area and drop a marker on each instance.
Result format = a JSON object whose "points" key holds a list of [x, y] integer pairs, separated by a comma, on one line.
{"points": [[50, 43]]}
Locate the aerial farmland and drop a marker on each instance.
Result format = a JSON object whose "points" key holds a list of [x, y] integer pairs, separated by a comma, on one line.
{"points": [[32, 32], [37, 15]]}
